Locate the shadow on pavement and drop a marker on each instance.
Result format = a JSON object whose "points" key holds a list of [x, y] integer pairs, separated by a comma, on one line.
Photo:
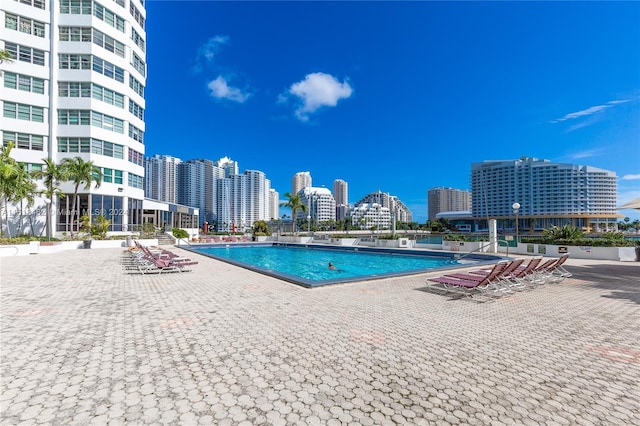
{"points": [[622, 280]]}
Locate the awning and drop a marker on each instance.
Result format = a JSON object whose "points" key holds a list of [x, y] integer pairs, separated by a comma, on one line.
{"points": [[635, 204]]}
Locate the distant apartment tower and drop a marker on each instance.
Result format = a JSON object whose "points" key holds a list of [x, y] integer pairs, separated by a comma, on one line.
{"points": [[197, 186], [371, 216], [274, 204], [228, 166], [548, 193], [242, 200], [395, 206], [341, 192], [300, 180], [321, 205], [447, 200], [75, 88], [161, 178]]}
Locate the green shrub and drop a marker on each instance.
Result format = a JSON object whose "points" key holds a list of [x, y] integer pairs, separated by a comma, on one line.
{"points": [[179, 233]]}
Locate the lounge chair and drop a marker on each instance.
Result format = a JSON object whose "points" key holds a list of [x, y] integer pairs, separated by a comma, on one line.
{"points": [[525, 276], [471, 283]]}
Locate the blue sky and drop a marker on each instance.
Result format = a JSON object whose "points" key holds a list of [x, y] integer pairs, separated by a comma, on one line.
{"points": [[395, 96]]}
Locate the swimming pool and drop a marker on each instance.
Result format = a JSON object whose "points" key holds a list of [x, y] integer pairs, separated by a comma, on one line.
{"points": [[307, 265]]}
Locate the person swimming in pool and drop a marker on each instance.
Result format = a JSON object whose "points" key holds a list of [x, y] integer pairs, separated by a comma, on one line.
{"points": [[333, 268]]}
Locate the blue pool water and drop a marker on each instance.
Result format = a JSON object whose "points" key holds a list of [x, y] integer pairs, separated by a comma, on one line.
{"points": [[308, 265]]}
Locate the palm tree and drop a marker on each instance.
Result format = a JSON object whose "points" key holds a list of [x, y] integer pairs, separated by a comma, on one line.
{"points": [[52, 175], [8, 175], [5, 56], [80, 172], [294, 203], [25, 189]]}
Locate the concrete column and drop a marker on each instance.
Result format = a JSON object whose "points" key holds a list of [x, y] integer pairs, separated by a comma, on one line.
{"points": [[493, 236]]}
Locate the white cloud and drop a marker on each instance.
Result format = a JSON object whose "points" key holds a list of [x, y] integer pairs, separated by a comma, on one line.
{"points": [[589, 111], [586, 154], [631, 177], [209, 50], [317, 90], [220, 89]]}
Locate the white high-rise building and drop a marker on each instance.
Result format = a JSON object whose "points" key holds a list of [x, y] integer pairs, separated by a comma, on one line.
{"points": [[321, 205], [75, 88], [242, 200], [300, 180], [229, 166], [548, 193], [274, 204], [161, 178], [400, 211]]}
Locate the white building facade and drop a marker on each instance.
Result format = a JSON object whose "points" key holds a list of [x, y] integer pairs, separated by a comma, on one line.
{"points": [[75, 88], [300, 180], [371, 216], [321, 206], [548, 193], [161, 178]]}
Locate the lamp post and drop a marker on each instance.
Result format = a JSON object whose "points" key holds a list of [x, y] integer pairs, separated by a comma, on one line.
{"points": [[48, 203], [516, 208]]}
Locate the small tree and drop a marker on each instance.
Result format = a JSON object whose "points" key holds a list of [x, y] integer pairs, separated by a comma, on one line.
{"points": [[260, 227], [294, 203], [80, 172]]}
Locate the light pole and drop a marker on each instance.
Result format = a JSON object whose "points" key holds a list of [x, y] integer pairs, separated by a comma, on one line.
{"points": [[516, 208]]}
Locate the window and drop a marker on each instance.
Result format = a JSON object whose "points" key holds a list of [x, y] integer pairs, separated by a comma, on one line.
{"points": [[136, 110], [119, 2], [136, 86], [136, 134], [111, 175], [108, 16], [74, 89], [109, 43], [25, 53], [24, 140], [23, 112], [135, 181], [107, 149], [75, 34], [108, 69], [136, 14], [76, 7], [25, 25], [23, 82], [135, 157], [107, 122], [35, 3], [137, 39], [139, 65], [73, 145], [107, 95], [74, 117], [74, 62]]}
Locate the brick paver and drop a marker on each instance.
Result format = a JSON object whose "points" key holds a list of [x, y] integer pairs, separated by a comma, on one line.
{"points": [[83, 343]]}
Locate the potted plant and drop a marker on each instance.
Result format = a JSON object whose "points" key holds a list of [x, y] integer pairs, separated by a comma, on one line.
{"points": [[97, 229]]}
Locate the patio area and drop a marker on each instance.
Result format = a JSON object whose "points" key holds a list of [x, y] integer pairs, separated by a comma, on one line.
{"points": [[84, 343]]}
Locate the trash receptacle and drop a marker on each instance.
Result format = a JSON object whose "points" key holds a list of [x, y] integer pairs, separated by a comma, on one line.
{"points": [[637, 253], [86, 244]]}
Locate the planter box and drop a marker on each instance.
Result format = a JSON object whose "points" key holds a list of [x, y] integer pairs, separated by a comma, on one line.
{"points": [[624, 254]]}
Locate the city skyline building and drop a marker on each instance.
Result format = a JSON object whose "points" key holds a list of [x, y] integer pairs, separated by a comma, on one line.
{"points": [[299, 181], [75, 88], [274, 204], [549, 194], [371, 216], [395, 205], [341, 192], [442, 199], [161, 178], [321, 206]]}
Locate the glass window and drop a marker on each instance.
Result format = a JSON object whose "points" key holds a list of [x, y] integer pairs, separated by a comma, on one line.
{"points": [[10, 80], [11, 21]]}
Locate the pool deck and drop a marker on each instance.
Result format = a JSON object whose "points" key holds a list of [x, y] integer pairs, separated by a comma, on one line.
{"points": [[84, 343]]}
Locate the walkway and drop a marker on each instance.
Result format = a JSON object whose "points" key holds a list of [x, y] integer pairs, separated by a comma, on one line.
{"points": [[84, 343]]}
